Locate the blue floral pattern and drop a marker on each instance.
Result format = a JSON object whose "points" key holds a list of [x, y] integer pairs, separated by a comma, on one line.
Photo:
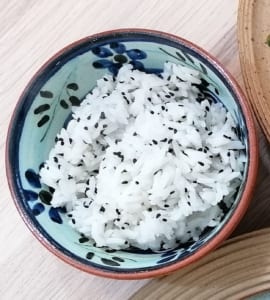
{"points": [[114, 55]]}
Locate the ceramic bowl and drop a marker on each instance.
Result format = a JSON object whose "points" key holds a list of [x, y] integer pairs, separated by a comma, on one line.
{"points": [[43, 109]]}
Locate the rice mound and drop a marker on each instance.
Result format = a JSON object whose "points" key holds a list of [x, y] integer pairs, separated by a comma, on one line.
{"points": [[146, 160]]}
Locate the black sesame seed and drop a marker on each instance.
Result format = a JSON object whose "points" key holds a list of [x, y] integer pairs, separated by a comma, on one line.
{"points": [[149, 99], [220, 171], [137, 182], [175, 131], [158, 215], [152, 112], [55, 159], [132, 78], [166, 205], [102, 115], [105, 79], [155, 142], [105, 126], [69, 215], [96, 125], [135, 134], [102, 209], [126, 223], [164, 220], [188, 203], [227, 137], [124, 182], [210, 133], [171, 151], [186, 190], [126, 242], [157, 172], [200, 149], [118, 219], [70, 177], [162, 107], [95, 190], [207, 108], [73, 221], [228, 154], [184, 153], [171, 93], [194, 181], [85, 128], [184, 117], [89, 117], [149, 209], [164, 140], [168, 96], [201, 163], [79, 119], [126, 99], [176, 89], [170, 141], [123, 228], [118, 211], [172, 192], [134, 160]]}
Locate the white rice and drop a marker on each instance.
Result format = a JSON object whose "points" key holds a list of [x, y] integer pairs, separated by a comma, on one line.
{"points": [[143, 163]]}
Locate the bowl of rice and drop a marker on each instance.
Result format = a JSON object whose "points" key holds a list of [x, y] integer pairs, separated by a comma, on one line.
{"points": [[131, 154]]}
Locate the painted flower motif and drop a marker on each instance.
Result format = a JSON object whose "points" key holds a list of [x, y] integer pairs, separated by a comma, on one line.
{"points": [[114, 55]]}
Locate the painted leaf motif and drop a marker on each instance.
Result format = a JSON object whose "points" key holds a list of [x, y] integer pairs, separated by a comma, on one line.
{"points": [[90, 255], [64, 104], [166, 259], [119, 259], [43, 121], [110, 262], [203, 69], [73, 86], [180, 56], [188, 57], [169, 253], [46, 94], [41, 108]]}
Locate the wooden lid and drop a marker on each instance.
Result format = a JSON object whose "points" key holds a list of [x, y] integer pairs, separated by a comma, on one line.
{"points": [[253, 32], [240, 268]]}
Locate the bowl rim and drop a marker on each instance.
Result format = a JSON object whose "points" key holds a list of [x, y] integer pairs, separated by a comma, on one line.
{"points": [[237, 214]]}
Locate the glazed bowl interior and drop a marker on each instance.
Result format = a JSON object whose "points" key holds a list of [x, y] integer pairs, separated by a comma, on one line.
{"points": [[44, 108]]}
